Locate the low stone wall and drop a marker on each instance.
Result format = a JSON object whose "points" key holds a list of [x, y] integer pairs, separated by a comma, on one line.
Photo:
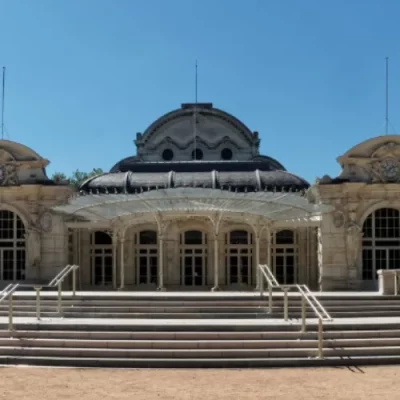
{"points": [[389, 281]]}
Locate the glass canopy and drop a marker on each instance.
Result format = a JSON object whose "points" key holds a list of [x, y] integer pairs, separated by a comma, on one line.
{"points": [[275, 206]]}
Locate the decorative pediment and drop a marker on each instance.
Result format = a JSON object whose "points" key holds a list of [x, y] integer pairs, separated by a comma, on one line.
{"points": [[385, 163], [387, 150], [5, 157], [381, 165]]}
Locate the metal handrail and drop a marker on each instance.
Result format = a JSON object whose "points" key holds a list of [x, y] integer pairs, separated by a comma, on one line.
{"points": [[62, 275], [306, 295], [57, 281]]}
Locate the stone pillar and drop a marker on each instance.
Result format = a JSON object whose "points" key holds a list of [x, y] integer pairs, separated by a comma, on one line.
{"points": [[257, 260], [160, 282], [216, 265], [33, 251], [354, 237], [261, 278], [302, 256], [122, 261], [114, 259]]}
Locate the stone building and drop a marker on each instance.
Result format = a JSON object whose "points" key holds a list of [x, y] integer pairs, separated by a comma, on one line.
{"points": [[197, 208]]}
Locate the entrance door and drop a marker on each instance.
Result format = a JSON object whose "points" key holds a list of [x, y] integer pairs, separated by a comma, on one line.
{"points": [[239, 250], [284, 260], [101, 259], [102, 267], [147, 266], [193, 258], [146, 257], [285, 269], [193, 269], [239, 268]]}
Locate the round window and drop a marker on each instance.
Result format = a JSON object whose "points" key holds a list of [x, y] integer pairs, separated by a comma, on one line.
{"points": [[226, 154], [168, 155], [197, 154]]}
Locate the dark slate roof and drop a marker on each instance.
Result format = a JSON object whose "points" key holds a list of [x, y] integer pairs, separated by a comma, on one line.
{"points": [[134, 164], [238, 180]]}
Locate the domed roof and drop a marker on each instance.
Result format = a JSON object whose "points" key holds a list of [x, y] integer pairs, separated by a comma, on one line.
{"points": [[205, 109], [183, 132], [19, 152]]}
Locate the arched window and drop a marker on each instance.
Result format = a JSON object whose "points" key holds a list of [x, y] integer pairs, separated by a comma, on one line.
{"points": [[12, 246], [284, 256], [101, 258], [193, 256], [146, 249], [238, 257], [381, 242]]}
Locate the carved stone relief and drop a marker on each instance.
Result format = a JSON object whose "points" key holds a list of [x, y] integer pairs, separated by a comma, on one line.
{"points": [[383, 166], [32, 241], [354, 237], [338, 219], [8, 175], [46, 222]]}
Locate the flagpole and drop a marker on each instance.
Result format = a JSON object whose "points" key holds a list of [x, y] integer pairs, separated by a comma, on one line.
{"points": [[2, 103], [387, 97], [195, 115]]}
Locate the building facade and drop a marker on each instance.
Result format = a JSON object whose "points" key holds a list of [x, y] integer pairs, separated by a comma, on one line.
{"points": [[198, 208]]}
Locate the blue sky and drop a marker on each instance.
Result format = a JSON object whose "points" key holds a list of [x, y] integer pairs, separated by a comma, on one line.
{"points": [[84, 76]]}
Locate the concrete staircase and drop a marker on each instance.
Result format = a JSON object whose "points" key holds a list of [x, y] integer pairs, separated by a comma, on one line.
{"points": [[197, 330]]}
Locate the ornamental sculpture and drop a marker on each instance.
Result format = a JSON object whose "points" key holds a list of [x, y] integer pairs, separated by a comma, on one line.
{"points": [[8, 175], [32, 239], [354, 237]]}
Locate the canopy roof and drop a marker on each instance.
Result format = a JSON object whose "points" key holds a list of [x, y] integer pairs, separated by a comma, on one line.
{"points": [[275, 206]]}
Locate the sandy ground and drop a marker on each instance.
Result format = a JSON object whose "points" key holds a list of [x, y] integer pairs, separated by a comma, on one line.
{"points": [[381, 383]]}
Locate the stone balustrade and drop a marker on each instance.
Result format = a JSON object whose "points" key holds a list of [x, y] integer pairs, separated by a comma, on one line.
{"points": [[389, 280]]}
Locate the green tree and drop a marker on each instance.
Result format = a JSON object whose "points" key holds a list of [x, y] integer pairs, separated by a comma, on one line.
{"points": [[59, 177], [77, 177]]}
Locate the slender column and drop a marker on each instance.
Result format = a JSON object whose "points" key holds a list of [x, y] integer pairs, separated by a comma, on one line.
{"points": [[216, 265], [114, 259], [257, 261], [122, 262], [268, 262], [160, 262]]}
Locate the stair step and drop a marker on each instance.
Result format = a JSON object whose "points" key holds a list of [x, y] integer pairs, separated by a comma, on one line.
{"points": [[199, 335], [337, 344], [87, 362], [198, 353]]}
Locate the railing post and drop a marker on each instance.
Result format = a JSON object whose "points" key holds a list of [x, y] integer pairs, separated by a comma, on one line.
{"points": [[320, 339], [10, 312], [270, 297], [74, 281], [59, 299], [285, 304], [38, 289], [396, 284], [303, 314]]}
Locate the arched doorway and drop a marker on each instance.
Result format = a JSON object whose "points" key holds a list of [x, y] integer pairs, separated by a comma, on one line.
{"points": [[193, 257], [238, 257], [284, 257], [12, 246], [381, 244], [101, 259], [146, 256]]}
